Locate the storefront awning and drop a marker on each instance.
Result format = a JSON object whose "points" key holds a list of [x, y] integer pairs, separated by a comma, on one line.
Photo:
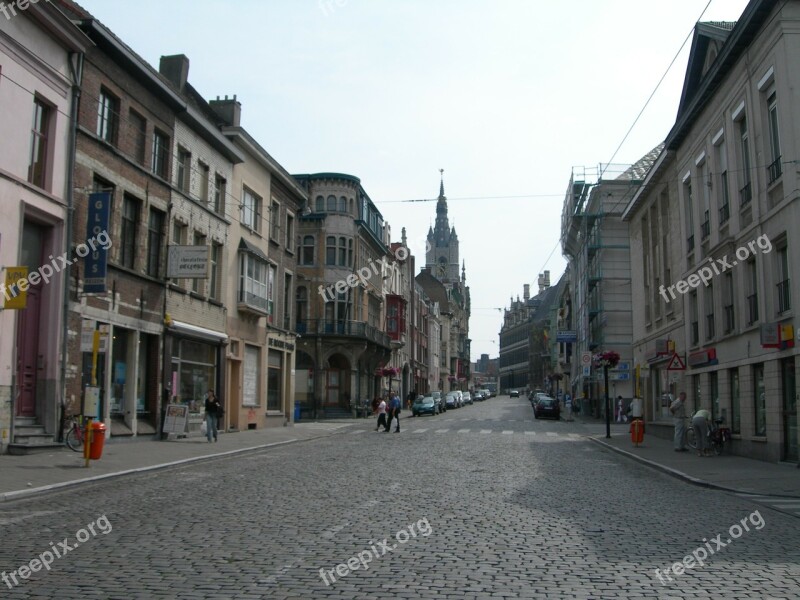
{"points": [[198, 332]]}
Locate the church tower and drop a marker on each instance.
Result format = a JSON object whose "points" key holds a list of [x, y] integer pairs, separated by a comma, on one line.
{"points": [[442, 256]]}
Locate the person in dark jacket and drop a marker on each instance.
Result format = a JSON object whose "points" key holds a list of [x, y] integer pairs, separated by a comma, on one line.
{"points": [[213, 411]]}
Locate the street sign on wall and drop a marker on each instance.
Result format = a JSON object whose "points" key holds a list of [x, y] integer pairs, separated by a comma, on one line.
{"points": [[96, 262], [187, 262]]}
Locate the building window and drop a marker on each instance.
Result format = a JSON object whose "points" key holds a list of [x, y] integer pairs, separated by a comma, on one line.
{"points": [[307, 250], [782, 275], [705, 183], [138, 126], [213, 267], [160, 158], [219, 194], [331, 204], [774, 170], [736, 413], [343, 204], [694, 329], [275, 221], [179, 233], [752, 291], [689, 211], [251, 210], [37, 166], [759, 400], [274, 377], [107, 116], [289, 232], [155, 241], [183, 169], [724, 195], [319, 204], [301, 307], [253, 283], [130, 216], [251, 375], [330, 250], [709, 300], [287, 301], [727, 300], [197, 282], [745, 191], [203, 173]]}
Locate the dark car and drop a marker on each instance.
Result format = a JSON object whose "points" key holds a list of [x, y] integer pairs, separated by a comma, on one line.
{"points": [[451, 400], [514, 393], [478, 396], [547, 407], [423, 405]]}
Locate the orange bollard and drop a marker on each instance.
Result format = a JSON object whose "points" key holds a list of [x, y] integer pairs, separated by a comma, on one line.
{"points": [[637, 432]]}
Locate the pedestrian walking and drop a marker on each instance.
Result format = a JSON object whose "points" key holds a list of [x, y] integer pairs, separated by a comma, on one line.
{"points": [[678, 410], [700, 422], [568, 406], [394, 413], [213, 412], [381, 415]]}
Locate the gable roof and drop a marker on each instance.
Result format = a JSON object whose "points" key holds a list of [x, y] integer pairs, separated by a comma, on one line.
{"points": [[704, 34]]}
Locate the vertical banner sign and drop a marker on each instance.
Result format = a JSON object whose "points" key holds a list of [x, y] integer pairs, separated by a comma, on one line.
{"points": [[95, 263]]}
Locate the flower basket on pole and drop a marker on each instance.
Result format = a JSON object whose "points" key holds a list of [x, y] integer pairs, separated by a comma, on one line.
{"points": [[607, 360]]}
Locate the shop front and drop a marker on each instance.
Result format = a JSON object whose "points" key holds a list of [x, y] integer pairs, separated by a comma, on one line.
{"points": [[196, 355]]}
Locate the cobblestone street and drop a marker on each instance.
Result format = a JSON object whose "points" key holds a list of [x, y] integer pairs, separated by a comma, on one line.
{"points": [[480, 502]]}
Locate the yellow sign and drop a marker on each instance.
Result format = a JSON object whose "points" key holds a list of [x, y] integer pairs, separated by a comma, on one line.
{"points": [[15, 289]]}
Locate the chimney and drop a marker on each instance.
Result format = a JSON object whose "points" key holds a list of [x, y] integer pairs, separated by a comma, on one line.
{"points": [[176, 69], [547, 279], [228, 111], [527, 293]]}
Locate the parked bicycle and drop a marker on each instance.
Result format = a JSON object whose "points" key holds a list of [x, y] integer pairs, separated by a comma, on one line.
{"points": [[74, 432], [718, 436]]}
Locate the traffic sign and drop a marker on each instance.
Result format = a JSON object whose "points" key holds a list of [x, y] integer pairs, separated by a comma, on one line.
{"points": [[586, 359], [676, 363]]}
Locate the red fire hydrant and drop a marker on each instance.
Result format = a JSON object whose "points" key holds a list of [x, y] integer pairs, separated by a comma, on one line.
{"points": [[637, 432]]}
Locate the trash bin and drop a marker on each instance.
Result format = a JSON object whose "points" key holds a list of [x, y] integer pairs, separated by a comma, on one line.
{"points": [[98, 440], [637, 431], [297, 409]]}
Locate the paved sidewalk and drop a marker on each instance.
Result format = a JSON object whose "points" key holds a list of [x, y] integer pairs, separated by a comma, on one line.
{"points": [[726, 472], [22, 476]]}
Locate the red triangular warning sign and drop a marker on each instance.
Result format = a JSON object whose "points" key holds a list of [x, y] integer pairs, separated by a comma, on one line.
{"points": [[676, 363]]}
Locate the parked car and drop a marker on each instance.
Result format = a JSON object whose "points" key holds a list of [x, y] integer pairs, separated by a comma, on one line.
{"points": [[486, 393], [451, 400], [478, 396], [547, 407], [467, 398], [514, 393], [538, 396], [423, 405]]}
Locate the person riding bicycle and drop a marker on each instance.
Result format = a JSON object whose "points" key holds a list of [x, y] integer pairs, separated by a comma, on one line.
{"points": [[700, 423]]}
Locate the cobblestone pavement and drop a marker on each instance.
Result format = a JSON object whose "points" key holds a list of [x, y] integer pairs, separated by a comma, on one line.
{"points": [[497, 506]]}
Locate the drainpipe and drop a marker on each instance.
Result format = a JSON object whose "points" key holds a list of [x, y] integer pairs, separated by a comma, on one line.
{"points": [[76, 69]]}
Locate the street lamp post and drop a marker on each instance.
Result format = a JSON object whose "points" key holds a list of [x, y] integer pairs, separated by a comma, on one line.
{"points": [[608, 403], [608, 360]]}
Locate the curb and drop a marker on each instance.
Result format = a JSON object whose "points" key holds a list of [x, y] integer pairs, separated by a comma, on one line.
{"points": [[55, 487], [673, 472]]}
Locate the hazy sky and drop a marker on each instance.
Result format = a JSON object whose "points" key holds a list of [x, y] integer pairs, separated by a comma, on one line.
{"points": [[507, 96]]}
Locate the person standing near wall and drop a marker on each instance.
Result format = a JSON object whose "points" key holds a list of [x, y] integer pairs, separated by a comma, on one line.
{"points": [[678, 410]]}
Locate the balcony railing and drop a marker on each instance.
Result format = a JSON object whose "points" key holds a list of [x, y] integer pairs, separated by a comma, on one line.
{"points": [[784, 299], [745, 195], [774, 170], [752, 309], [355, 329]]}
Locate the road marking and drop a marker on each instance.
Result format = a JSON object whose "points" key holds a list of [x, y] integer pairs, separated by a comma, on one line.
{"points": [[359, 431], [420, 430], [530, 433], [575, 435], [463, 431], [486, 431], [507, 432], [551, 433], [442, 430]]}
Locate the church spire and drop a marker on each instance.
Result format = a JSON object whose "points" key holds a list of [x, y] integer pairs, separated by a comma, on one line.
{"points": [[442, 229], [441, 183]]}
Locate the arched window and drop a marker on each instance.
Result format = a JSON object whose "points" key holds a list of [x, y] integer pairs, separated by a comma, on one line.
{"points": [[320, 207], [342, 204], [331, 204], [307, 250]]}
